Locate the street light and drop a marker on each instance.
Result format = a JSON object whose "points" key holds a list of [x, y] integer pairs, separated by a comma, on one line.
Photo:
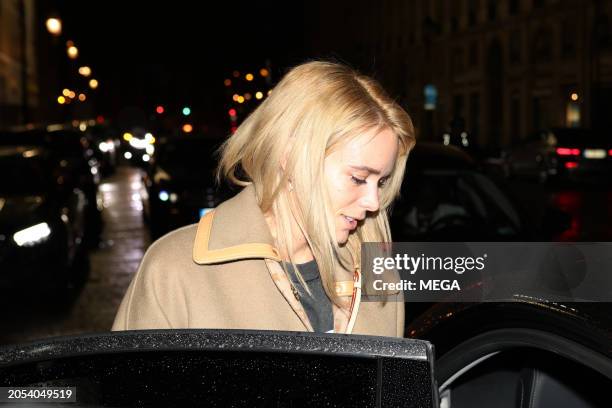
{"points": [[82, 97], [248, 77], [61, 100], [73, 52], [93, 83], [258, 95], [85, 71], [54, 26]]}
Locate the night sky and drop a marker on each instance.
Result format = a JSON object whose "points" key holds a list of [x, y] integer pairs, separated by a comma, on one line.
{"points": [[179, 52]]}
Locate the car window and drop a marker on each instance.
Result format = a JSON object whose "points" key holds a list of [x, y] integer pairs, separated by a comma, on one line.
{"points": [[444, 198]]}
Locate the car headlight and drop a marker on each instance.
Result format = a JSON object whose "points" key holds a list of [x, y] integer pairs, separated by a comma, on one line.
{"points": [[32, 235]]}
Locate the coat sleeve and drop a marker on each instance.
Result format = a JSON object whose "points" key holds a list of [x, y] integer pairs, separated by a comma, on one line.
{"points": [[149, 301]]}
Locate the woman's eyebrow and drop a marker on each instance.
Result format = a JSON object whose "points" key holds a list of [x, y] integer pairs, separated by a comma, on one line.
{"points": [[366, 168]]}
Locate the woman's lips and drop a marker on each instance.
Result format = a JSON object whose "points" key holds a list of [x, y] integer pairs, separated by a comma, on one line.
{"points": [[351, 222]]}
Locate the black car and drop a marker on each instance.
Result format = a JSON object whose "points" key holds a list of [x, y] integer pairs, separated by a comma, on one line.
{"points": [[73, 155], [446, 197], [573, 154], [502, 354], [179, 184], [42, 223]]}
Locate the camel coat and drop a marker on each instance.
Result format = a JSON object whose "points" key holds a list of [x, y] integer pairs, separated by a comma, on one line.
{"points": [[225, 273]]}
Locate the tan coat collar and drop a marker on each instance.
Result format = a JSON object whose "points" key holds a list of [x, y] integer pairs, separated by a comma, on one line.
{"points": [[239, 231]]}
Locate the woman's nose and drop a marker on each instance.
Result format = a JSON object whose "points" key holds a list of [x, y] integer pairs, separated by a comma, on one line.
{"points": [[371, 200]]}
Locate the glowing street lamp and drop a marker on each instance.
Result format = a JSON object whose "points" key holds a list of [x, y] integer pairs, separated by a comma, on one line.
{"points": [[82, 97], [54, 26], [73, 52], [264, 72], [248, 77], [85, 71], [93, 83], [258, 95], [61, 100]]}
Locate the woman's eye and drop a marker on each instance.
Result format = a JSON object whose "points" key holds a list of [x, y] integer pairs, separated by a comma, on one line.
{"points": [[382, 182], [356, 180]]}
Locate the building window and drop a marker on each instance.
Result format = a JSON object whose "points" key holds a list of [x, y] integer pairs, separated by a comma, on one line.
{"points": [[492, 10], [474, 123], [515, 118], [513, 7], [568, 39], [472, 12], [474, 54], [542, 45], [458, 106], [455, 16], [515, 47], [457, 60], [540, 114]]}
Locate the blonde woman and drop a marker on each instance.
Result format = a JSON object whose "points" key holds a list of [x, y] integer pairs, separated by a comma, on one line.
{"points": [[320, 160]]}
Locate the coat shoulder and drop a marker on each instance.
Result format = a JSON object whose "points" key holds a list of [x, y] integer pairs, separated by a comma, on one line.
{"points": [[173, 251]]}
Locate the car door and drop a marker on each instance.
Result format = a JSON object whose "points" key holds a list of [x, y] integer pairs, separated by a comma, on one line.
{"points": [[226, 368]]}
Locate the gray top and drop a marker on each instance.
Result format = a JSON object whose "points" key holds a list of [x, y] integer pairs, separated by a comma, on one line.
{"points": [[318, 307]]}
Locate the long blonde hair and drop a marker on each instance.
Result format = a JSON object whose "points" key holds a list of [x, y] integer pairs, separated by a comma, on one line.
{"points": [[315, 108]]}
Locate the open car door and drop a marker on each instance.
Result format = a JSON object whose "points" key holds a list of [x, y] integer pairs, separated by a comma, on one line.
{"points": [[226, 368]]}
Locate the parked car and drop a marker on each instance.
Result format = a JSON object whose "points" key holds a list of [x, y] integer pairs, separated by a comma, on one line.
{"points": [[72, 153], [42, 223], [179, 186], [445, 197], [227, 368], [562, 154]]}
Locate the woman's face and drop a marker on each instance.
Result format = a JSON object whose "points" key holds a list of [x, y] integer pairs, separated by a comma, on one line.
{"points": [[355, 174]]}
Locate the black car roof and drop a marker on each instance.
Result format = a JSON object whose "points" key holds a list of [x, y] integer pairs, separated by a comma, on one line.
{"points": [[432, 155]]}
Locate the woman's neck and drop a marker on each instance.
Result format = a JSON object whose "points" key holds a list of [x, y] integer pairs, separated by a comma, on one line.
{"points": [[300, 251]]}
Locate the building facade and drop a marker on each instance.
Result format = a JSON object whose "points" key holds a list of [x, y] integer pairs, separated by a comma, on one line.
{"points": [[504, 68], [18, 71]]}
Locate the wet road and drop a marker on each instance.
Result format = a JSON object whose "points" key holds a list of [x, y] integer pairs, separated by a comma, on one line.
{"points": [[112, 266]]}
